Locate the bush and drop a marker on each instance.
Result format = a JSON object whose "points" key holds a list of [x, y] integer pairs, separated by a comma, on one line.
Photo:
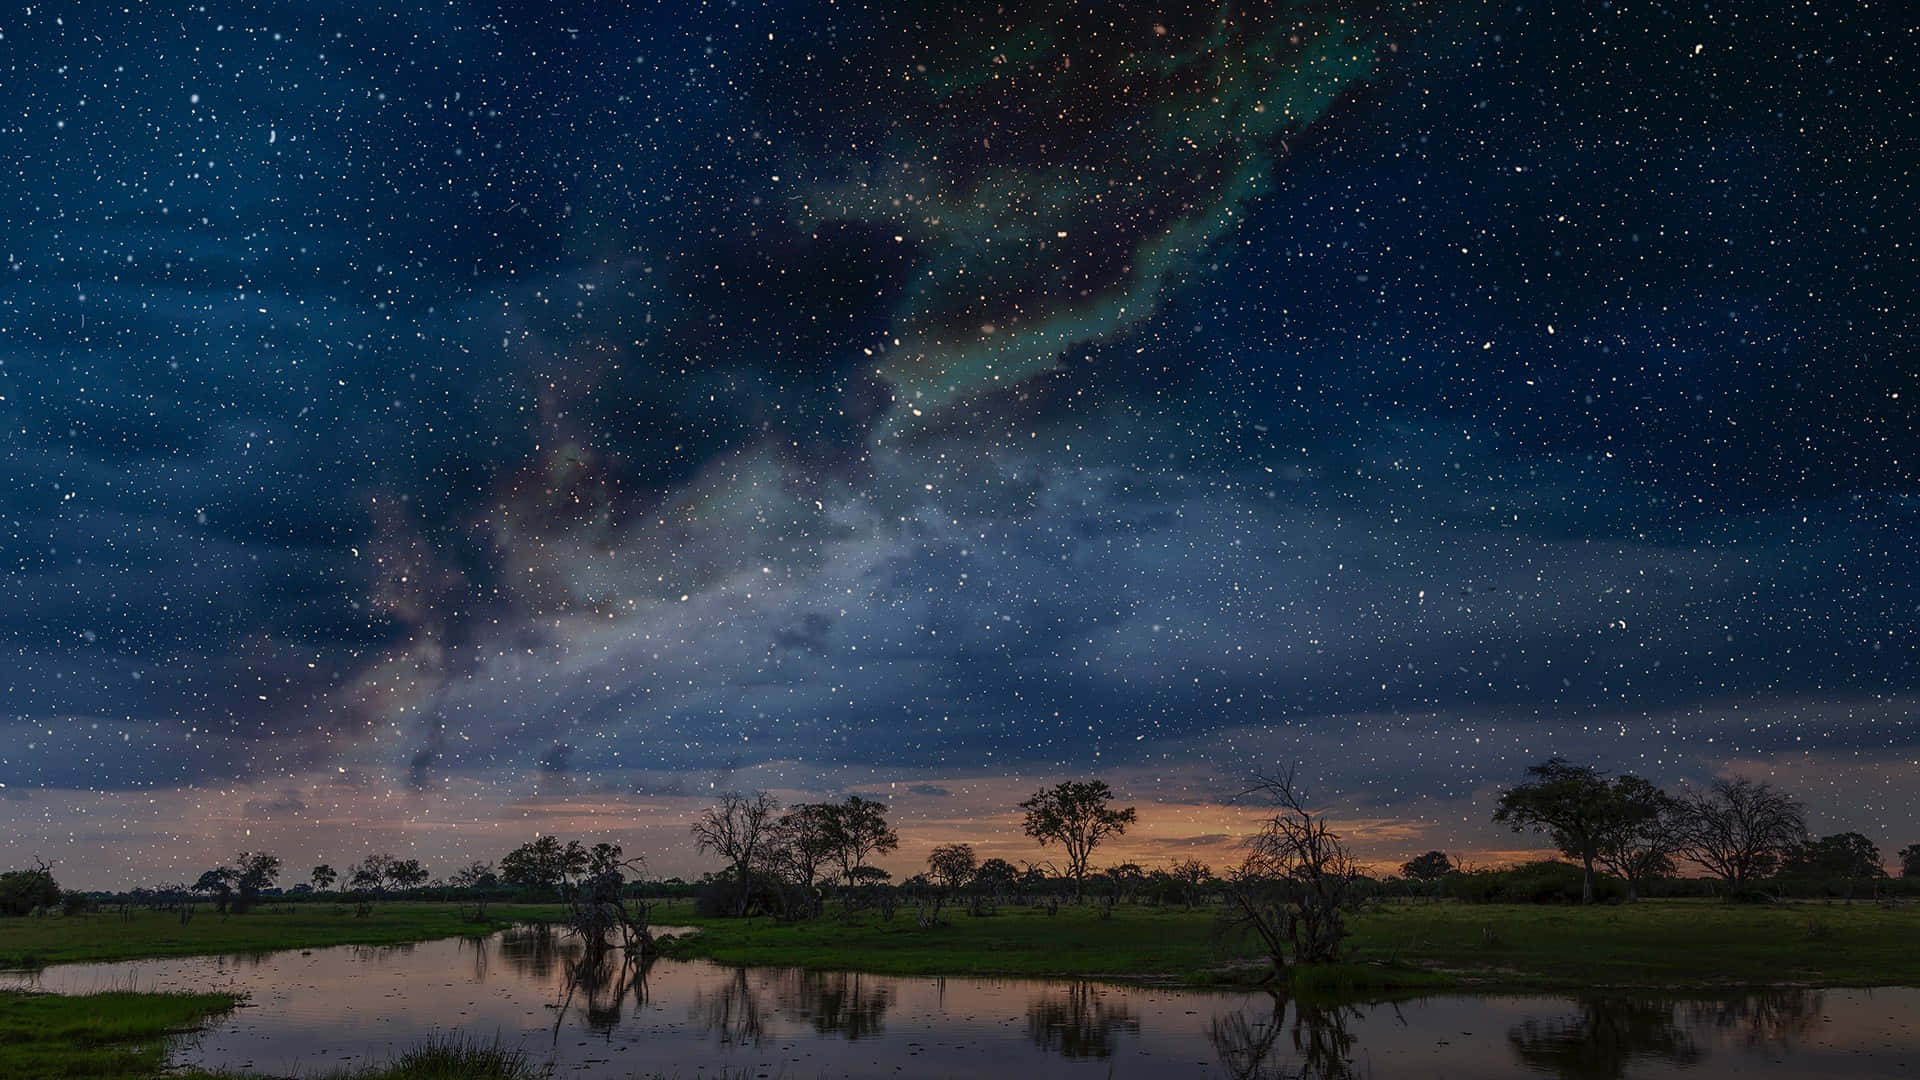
{"points": [[1551, 881], [719, 896], [1547, 881], [75, 902], [21, 891]]}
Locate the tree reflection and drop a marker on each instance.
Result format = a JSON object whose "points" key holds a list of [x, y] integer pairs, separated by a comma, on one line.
{"points": [[1250, 1047], [605, 980], [836, 1002], [531, 950], [1080, 1021], [1605, 1038], [482, 952], [1771, 1020], [732, 1012]]}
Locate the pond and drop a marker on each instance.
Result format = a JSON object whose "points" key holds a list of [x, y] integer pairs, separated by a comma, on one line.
{"points": [[309, 1010]]}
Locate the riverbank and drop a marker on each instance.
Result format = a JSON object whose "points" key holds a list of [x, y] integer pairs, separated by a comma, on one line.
{"points": [[1397, 951], [27, 943], [1670, 945], [108, 1036], [1654, 945]]}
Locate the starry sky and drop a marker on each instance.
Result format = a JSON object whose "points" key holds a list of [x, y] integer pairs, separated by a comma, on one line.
{"points": [[428, 425]]}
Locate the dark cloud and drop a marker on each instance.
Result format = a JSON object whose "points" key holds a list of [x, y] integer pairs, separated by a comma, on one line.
{"points": [[490, 412]]}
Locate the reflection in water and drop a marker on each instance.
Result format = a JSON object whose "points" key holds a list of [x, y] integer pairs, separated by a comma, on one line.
{"points": [[374, 954], [731, 1011], [1080, 1020], [1609, 1035], [1605, 1037], [1249, 1046], [841, 1003], [482, 949], [1770, 1021], [604, 980], [836, 1002], [532, 951], [544, 994]]}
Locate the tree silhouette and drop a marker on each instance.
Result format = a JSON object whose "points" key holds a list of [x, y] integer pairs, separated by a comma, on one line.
{"points": [[1076, 814]]}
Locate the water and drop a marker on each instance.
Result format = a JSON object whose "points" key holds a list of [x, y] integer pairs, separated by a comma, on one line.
{"points": [[309, 1010]]}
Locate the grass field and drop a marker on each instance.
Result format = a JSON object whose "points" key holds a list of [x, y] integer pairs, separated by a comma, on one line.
{"points": [[1665, 944], [1673, 944]]}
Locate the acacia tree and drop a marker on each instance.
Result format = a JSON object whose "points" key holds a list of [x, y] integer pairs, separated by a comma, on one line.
{"points": [[405, 874], [23, 890], [475, 875], [1432, 866], [544, 863], [1739, 829], [1910, 861], [803, 842], [1078, 815], [217, 883], [253, 873], [1846, 856], [1572, 804], [952, 864], [735, 830], [1191, 873], [380, 872], [1638, 840], [323, 877], [996, 876], [858, 829]]}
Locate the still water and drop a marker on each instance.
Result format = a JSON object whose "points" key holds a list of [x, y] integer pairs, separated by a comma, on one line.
{"points": [[309, 1010]]}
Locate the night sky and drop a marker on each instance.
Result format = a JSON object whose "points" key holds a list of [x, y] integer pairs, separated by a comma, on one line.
{"points": [[425, 428]]}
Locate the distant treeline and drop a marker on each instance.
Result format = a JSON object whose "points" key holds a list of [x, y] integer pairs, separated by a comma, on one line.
{"points": [[1623, 837]]}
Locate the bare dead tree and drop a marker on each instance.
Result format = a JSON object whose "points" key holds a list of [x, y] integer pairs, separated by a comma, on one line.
{"points": [[1295, 879], [1738, 829], [735, 831]]}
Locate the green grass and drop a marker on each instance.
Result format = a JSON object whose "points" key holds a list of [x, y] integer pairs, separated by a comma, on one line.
{"points": [[37, 942], [1396, 948], [124, 1036], [1670, 944], [98, 1036], [1138, 942]]}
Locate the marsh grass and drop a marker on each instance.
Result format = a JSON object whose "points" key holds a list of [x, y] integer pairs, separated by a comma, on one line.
{"points": [[449, 1057], [112, 1035]]}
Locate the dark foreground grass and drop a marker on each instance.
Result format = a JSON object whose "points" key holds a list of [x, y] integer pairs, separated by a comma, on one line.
{"points": [[448, 1057], [106, 1036], [57, 939], [124, 1036]]}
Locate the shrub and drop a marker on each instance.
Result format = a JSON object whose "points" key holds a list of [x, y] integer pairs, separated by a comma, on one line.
{"points": [[21, 891]]}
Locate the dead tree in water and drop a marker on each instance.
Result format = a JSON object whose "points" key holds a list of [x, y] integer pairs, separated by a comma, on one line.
{"points": [[598, 912], [1295, 880]]}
